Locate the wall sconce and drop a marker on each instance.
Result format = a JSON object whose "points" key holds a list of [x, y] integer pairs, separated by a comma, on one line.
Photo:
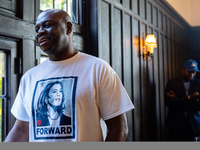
{"points": [[149, 45]]}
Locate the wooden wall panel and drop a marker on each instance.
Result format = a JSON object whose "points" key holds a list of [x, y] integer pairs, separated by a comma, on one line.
{"points": [[173, 59], [149, 12], [142, 10], [122, 43], [155, 16], [157, 90], [119, 1], [105, 32], [165, 61], [165, 24], [135, 6], [160, 20], [136, 96], [162, 85], [169, 58], [169, 27], [127, 4], [9, 5], [144, 115], [127, 65], [117, 42]]}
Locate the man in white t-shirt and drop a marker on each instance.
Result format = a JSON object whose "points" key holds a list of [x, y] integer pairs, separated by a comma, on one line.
{"points": [[66, 97]]}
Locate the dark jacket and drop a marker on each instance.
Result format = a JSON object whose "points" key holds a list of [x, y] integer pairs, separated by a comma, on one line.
{"points": [[181, 105]]}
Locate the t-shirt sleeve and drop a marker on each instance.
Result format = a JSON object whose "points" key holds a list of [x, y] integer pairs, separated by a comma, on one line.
{"points": [[113, 98], [18, 109]]}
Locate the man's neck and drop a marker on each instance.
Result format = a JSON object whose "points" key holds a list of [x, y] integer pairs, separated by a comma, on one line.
{"points": [[60, 57]]}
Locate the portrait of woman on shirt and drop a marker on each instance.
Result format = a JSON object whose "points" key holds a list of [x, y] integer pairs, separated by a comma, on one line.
{"points": [[51, 108]]}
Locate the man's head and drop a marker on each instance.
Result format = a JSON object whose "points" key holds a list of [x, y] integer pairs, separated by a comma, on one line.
{"points": [[189, 69], [54, 33]]}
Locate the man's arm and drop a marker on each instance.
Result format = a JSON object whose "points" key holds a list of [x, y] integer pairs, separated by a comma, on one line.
{"points": [[117, 128], [19, 132]]}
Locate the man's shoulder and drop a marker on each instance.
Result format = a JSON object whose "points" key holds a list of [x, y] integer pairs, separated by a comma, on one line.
{"points": [[87, 58], [196, 81]]}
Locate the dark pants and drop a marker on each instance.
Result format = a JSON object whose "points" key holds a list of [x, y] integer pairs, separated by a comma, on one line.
{"points": [[183, 133]]}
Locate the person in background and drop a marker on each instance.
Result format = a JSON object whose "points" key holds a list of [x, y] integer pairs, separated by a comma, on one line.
{"points": [[182, 99], [92, 88]]}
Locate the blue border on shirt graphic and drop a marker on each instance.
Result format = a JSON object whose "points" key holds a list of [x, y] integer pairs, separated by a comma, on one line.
{"points": [[75, 79]]}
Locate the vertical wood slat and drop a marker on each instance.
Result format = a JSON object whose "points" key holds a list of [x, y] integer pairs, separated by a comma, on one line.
{"points": [[117, 42], [144, 107], [157, 83], [149, 12], [169, 58], [28, 55], [127, 65], [127, 3], [142, 6], [173, 60], [160, 20], [135, 6], [151, 95], [136, 80], [155, 16], [161, 86], [104, 26], [29, 11]]}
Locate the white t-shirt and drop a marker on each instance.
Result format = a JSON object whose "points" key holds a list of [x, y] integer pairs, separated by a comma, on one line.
{"points": [[88, 89]]}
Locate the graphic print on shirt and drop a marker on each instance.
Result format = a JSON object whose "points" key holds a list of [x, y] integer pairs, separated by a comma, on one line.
{"points": [[53, 108]]}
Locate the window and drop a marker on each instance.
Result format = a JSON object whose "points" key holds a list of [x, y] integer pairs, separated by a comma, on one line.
{"points": [[70, 6], [2, 72], [43, 58], [3, 93]]}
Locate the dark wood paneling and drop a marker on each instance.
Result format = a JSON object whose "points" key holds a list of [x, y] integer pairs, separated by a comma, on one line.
{"points": [[161, 86], [145, 115], [117, 42], [127, 65], [8, 5], [16, 28], [118, 1], [165, 24], [173, 50], [149, 12], [155, 16], [28, 54], [169, 58], [127, 4], [142, 6], [157, 90], [149, 77], [160, 20], [136, 6], [136, 54], [104, 31], [29, 9]]}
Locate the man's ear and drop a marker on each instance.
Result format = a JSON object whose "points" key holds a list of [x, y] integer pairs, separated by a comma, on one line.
{"points": [[69, 27]]}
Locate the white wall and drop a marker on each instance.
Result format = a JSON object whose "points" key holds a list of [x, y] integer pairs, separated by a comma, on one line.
{"points": [[195, 12], [188, 9]]}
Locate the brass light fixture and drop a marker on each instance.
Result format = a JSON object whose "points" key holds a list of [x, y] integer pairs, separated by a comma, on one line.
{"points": [[149, 45]]}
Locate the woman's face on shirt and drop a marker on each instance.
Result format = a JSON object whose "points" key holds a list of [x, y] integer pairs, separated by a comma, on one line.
{"points": [[56, 95]]}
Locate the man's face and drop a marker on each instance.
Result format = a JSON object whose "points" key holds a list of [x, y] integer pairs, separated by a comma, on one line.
{"points": [[51, 33], [188, 75]]}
